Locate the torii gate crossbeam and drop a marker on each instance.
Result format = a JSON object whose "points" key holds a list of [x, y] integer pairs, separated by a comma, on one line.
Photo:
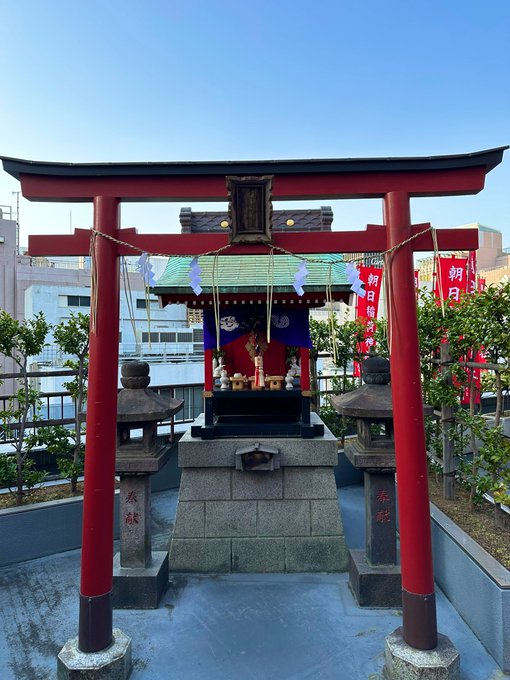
{"points": [[394, 180]]}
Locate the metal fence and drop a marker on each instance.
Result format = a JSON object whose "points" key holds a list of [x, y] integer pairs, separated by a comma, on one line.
{"points": [[58, 408]]}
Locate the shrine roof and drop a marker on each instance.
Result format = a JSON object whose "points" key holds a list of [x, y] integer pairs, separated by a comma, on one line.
{"points": [[488, 158], [249, 274]]}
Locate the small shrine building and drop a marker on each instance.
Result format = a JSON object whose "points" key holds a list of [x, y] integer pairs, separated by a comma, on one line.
{"points": [[237, 293]]}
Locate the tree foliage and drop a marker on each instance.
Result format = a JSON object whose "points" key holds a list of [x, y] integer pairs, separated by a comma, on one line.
{"points": [[21, 340], [72, 337], [479, 322]]}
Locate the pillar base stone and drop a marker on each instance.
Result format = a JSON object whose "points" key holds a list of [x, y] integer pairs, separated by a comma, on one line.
{"points": [[112, 663], [403, 662], [140, 588]]}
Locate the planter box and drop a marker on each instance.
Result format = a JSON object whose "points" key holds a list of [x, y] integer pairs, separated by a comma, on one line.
{"points": [[490, 419], [476, 584], [41, 529]]}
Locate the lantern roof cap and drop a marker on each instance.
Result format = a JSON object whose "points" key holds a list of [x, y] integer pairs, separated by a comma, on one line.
{"points": [[136, 403], [374, 399]]}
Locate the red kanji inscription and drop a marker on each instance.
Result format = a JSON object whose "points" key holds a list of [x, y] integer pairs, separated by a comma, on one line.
{"points": [[131, 518], [383, 516]]}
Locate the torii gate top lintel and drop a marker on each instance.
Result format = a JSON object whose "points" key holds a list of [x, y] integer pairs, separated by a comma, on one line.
{"points": [[293, 179]]}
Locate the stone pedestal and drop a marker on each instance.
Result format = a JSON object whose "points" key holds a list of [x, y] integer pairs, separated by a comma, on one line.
{"points": [[140, 576], [374, 586], [112, 663], [374, 574], [403, 662], [284, 520], [142, 587]]}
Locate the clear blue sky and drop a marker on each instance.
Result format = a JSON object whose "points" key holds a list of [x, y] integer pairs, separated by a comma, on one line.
{"points": [[125, 80]]}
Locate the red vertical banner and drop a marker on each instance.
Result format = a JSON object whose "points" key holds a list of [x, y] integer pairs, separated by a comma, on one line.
{"points": [[451, 278], [417, 282], [471, 272], [367, 306], [473, 374]]}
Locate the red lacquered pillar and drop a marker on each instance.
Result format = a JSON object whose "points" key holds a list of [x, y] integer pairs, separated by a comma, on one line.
{"points": [[208, 370], [95, 627], [418, 597], [305, 369]]}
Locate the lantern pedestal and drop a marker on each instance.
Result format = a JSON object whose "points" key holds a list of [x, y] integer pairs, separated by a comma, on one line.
{"points": [[374, 586], [140, 576], [140, 587], [374, 573]]}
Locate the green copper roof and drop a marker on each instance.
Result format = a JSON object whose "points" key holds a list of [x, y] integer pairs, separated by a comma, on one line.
{"points": [[249, 273]]}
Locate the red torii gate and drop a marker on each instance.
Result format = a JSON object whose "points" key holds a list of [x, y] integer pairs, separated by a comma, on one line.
{"points": [[395, 180]]}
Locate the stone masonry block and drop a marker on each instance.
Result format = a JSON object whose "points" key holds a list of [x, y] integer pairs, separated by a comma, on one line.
{"points": [[200, 555], [205, 484], [325, 517], [319, 553], [283, 518], [257, 485], [258, 555], [216, 453], [309, 482], [190, 519], [230, 518], [219, 453]]}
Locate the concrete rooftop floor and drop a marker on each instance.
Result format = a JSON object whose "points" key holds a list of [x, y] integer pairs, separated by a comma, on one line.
{"points": [[229, 627]]}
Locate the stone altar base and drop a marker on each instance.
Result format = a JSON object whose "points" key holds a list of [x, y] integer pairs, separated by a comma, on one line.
{"points": [[140, 588], [285, 520], [374, 586]]}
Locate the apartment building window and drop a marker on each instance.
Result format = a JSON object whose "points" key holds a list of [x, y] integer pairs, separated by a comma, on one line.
{"points": [[154, 337], [194, 316], [141, 303], [167, 337], [198, 335], [78, 300]]}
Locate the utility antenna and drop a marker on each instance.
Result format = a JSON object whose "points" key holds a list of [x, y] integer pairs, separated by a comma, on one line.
{"points": [[16, 193]]}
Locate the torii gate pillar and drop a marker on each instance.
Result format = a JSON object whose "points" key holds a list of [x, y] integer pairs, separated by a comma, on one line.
{"points": [[95, 622], [418, 597]]}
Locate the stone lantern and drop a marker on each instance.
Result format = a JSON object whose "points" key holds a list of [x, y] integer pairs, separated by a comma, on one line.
{"points": [[374, 573], [140, 576]]}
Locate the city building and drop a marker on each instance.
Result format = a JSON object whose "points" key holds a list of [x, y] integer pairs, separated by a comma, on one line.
{"points": [[167, 338], [493, 261]]}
